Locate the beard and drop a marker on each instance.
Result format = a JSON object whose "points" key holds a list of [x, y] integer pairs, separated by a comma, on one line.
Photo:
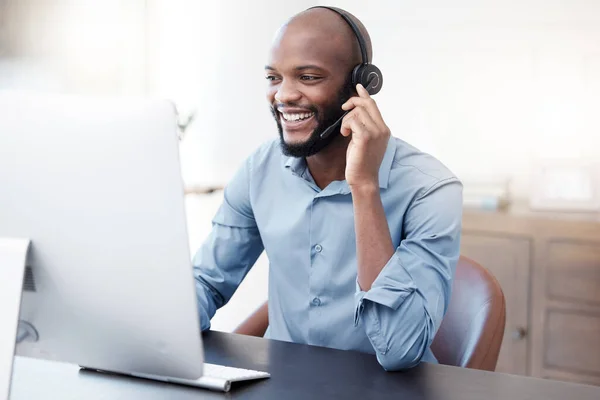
{"points": [[325, 118]]}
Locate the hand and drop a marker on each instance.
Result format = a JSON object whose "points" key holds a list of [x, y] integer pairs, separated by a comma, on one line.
{"points": [[368, 142]]}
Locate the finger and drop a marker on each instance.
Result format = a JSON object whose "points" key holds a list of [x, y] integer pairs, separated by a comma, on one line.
{"points": [[358, 122], [349, 125], [362, 92], [356, 128], [355, 102], [349, 104], [364, 117], [366, 103]]}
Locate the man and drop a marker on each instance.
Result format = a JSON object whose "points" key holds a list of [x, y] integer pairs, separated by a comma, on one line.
{"points": [[361, 229]]}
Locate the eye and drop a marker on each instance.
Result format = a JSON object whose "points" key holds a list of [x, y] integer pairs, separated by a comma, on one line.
{"points": [[271, 77], [309, 78]]}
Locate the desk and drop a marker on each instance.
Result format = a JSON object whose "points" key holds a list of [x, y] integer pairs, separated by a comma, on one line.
{"points": [[297, 372]]}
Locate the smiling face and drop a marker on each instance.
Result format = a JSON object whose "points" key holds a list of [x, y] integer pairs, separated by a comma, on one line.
{"points": [[308, 75]]}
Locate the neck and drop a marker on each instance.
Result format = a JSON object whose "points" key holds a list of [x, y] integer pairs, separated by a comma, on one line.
{"points": [[329, 164]]}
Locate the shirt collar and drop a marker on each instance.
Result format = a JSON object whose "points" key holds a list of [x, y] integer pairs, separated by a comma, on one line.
{"points": [[295, 164], [298, 165]]}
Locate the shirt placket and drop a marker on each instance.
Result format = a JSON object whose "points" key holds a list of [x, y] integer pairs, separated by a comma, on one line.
{"points": [[315, 286]]}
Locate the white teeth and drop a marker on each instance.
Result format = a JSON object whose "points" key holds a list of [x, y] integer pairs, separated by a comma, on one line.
{"points": [[296, 116]]}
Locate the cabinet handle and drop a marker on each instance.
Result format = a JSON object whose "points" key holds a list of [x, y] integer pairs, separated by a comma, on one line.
{"points": [[519, 333]]}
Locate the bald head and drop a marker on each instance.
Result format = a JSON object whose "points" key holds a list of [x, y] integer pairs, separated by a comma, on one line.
{"points": [[328, 27], [323, 18]]}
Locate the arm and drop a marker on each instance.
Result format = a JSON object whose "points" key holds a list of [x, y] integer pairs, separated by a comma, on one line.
{"points": [[402, 308], [256, 324], [369, 139], [374, 245], [231, 249], [402, 294]]}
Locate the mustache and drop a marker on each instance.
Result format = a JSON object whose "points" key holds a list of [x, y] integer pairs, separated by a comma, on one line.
{"points": [[309, 107]]}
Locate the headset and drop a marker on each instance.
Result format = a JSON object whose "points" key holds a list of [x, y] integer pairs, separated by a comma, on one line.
{"points": [[367, 74]]}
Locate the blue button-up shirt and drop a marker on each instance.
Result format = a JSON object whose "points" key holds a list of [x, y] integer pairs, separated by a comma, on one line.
{"points": [[273, 204]]}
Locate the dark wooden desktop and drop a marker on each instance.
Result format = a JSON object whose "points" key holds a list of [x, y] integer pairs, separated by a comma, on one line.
{"points": [[297, 372]]}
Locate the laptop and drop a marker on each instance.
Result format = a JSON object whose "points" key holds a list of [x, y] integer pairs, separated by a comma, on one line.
{"points": [[94, 187]]}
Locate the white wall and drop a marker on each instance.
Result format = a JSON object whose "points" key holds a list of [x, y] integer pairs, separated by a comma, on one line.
{"points": [[75, 46]]}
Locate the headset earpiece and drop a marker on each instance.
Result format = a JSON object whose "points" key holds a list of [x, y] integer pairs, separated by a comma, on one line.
{"points": [[369, 76]]}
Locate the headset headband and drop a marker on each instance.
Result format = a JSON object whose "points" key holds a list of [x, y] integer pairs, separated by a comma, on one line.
{"points": [[361, 41]]}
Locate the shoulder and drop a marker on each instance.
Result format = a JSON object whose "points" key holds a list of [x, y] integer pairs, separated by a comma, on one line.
{"points": [[419, 171], [249, 174], [266, 155]]}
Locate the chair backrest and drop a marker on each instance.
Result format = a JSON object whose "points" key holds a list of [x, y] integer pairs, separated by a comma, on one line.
{"points": [[471, 333]]}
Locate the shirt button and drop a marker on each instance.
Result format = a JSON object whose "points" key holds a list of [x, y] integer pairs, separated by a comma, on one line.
{"points": [[316, 301], [318, 248]]}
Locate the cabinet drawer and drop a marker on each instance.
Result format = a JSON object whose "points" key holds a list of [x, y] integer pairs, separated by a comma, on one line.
{"points": [[573, 271], [572, 341]]}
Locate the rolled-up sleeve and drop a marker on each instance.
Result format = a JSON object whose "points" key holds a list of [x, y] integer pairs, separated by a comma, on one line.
{"points": [[403, 310], [230, 250]]}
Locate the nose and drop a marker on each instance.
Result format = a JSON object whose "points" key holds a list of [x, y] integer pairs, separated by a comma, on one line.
{"points": [[287, 92]]}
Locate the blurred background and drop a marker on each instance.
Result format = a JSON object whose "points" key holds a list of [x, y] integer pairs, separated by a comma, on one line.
{"points": [[506, 93]]}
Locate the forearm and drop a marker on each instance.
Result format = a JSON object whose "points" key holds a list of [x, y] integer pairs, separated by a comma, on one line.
{"points": [[257, 323], [374, 245]]}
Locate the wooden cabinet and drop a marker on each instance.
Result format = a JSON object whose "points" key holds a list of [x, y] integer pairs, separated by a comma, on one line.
{"points": [[566, 303], [548, 265]]}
